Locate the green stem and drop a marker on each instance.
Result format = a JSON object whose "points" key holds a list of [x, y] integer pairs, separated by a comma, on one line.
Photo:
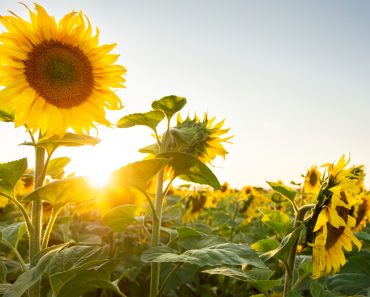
{"points": [[67, 224], [233, 218], [168, 278], [154, 214], [155, 267], [291, 258], [16, 253], [36, 217], [23, 210], [49, 228]]}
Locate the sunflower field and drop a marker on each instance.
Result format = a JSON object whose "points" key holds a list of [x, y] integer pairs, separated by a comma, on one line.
{"points": [[164, 225]]}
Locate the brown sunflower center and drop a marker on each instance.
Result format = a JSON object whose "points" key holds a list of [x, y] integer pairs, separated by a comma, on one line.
{"points": [[361, 213], [59, 73], [335, 233], [313, 179]]}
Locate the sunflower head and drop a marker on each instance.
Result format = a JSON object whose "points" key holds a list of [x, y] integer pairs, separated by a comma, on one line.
{"points": [[312, 181], [338, 211], [55, 75], [200, 138]]}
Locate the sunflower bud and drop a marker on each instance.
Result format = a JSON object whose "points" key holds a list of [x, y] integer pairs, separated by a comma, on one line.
{"points": [[198, 138]]}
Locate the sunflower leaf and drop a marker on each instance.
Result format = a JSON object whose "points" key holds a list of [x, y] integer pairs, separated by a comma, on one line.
{"points": [[286, 191], [6, 117], [56, 167], [283, 250], [69, 139], [169, 105], [215, 255], [150, 119], [120, 217], [138, 174], [59, 193], [189, 168], [258, 278], [10, 173]]}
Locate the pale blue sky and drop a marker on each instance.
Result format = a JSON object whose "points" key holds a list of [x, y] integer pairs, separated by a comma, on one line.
{"points": [[292, 78]]}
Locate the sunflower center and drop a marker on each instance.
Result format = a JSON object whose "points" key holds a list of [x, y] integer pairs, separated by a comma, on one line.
{"points": [[313, 179], [335, 233], [59, 73]]}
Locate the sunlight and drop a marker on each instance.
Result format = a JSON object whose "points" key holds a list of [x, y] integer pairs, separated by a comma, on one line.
{"points": [[97, 163]]}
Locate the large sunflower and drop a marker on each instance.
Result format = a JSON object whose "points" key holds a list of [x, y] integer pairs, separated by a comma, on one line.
{"points": [[338, 212], [55, 75]]}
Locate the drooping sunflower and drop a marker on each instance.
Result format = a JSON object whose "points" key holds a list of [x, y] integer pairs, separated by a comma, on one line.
{"points": [[55, 75], [202, 139], [312, 182], [335, 217]]}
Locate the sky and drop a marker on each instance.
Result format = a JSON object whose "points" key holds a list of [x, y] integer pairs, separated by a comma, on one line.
{"points": [[290, 78]]}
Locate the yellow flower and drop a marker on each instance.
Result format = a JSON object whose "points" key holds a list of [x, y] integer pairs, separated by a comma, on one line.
{"points": [[55, 75], [196, 202], [312, 181], [339, 211], [199, 138]]}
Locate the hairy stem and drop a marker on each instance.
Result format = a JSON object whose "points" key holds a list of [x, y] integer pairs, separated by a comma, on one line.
{"points": [[157, 220], [49, 228], [291, 258], [36, 217]]}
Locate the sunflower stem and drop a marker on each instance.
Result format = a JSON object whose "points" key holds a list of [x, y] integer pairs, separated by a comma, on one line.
{"points": [[49, 228], [156, 230], [293, 252], [36, 217]]}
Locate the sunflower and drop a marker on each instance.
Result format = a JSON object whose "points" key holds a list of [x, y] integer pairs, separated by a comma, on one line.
{"points": [[196, 202], [336, 215], [55, 75], [201, 139], [312, 182]]}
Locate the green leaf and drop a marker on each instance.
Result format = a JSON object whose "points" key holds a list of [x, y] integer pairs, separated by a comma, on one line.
{"points": [[295, 294], [277, 220], [319, 290], [10, 173], [190, 238], [6, 117], [77, 256], [30, 277], [263, 284], [138, 174], [60, 193], [3, 272], [150, 119], [364, 236], [169, 105], [152, 149], [69, 139], [216, 255], [286, 191], [354, 277], [78, 269], [56, 167], [120, 217], [189, 168], [283, 250], [13, 233], [265, 245], [76, 283]]}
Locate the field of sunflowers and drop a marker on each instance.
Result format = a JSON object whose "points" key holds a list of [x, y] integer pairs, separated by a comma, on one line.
{"points": [[140, 235]]}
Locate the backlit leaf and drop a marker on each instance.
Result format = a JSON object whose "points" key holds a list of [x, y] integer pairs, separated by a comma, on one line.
{"points": [[120, 217], [191, 169], [150, 119], [169, 105]]}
